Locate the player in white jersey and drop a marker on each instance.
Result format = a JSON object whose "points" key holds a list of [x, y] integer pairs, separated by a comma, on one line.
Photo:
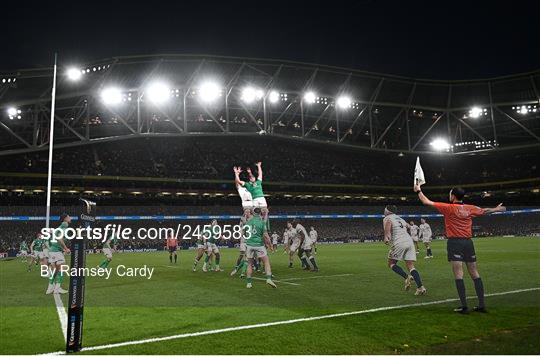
{"points": [[275, 238], [401, 248], [245, 195], [425, 235], [307, 250], [304, 250], [286, 240], [313, 235], [413, 228], [295, 240]]}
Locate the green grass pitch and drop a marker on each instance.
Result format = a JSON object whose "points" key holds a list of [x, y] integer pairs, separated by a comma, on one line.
{"points": [[352, 277]]}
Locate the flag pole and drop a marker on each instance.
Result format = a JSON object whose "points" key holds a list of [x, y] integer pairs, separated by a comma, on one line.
{"points": [[51, 141]]}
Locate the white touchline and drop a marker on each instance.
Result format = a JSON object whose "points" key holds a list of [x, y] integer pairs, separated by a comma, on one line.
{"points": [[292, 321], [277, 281], [313, 277], [62, 315]]}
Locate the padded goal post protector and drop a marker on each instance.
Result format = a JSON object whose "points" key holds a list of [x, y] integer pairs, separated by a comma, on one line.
{"points": [[86, 218]]}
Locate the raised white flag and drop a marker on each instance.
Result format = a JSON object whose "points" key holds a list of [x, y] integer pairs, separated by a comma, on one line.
{"points": [[418, 173]]}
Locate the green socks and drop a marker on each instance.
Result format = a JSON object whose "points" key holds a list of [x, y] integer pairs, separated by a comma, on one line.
{"points": [[104, 264]]}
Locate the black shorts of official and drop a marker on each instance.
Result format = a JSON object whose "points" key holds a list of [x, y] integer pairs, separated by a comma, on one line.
{"points": [[461, 250], [172, 249]]}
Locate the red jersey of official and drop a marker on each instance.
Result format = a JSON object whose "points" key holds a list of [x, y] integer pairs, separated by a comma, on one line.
{"points": [[458, 218], [172, 242]]}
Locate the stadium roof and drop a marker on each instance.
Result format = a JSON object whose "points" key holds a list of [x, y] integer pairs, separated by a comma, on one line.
{"points": [[197, 94]]}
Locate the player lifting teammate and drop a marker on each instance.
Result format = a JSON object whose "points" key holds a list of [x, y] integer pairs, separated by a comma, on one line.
{"points": [[401, 248], [241, 263], [460, 248], [258, 239], [212, 234]]}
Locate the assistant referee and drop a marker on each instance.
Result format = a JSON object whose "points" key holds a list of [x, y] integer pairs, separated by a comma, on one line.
{"points": [[460, 248]]}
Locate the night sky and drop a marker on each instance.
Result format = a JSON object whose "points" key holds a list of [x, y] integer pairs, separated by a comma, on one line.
{"points": [[431, 39]]}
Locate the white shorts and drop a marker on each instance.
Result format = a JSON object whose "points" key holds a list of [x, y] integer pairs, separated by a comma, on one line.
{"points": [[23, 253], [201, 246], [56, 257], [242, 247], [307, 245], [43, 254], [402, 252], [107, 252], [415, 238], [248, 204], [256, 251], [294, 246], [260, 202], [210, 247], [426, 239]]}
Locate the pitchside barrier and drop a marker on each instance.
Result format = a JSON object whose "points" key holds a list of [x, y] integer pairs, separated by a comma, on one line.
{"points": [[231, 217]]}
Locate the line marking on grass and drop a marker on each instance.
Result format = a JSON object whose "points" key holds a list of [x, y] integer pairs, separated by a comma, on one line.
{"points": [[291, 321], [313, 277], [62, 315], [171, 266], [277, 281]]}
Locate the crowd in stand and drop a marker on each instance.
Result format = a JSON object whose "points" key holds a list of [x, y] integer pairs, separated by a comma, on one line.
{"points": [[284, 161], [329, 230]]}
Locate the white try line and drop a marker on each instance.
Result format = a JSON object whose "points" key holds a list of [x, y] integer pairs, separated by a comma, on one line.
{"points": [[170, 266], [314, 277], [62, 315], [277, 281], [291, 321]]}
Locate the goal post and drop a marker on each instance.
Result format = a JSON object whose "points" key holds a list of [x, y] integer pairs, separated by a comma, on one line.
{"points": [[87, 218]]}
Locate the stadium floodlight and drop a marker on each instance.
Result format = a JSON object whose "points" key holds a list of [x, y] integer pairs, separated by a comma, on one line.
{"points": [[74, 74], [158, 93], [523, 110], [273, 96], [250, 94], [475, 112], [310, 97], [111, 96], [344, 102], [12, 111], [440, 144], [209, 91]]}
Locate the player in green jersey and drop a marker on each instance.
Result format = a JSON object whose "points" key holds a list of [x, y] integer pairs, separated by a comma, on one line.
{"points": [[254, 186], [201, 250], [40, 248], [109, 246], [23, 251], [257, 240], [212, 234], [57, 247]]}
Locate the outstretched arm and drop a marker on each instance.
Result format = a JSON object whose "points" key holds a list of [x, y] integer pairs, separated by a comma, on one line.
{"points": [[422, 197], [498, 208], [259, 168], [237, 180]]}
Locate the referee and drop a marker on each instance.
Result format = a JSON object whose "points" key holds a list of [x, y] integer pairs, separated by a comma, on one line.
{"points": [[460, 248]]}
